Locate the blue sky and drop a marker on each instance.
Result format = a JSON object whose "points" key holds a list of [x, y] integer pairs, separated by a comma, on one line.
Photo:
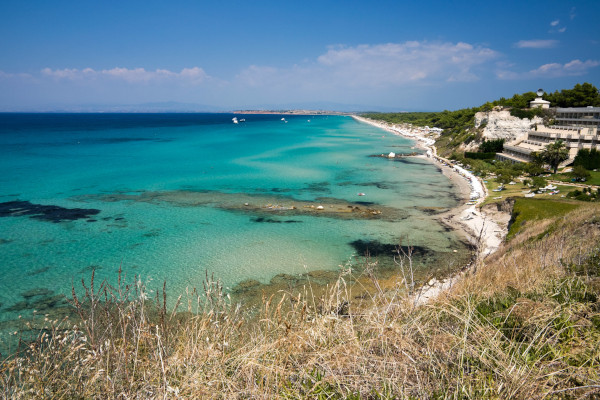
{"points": [[388, 55]]}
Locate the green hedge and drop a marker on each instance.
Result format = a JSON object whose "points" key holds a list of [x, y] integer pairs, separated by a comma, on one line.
{"points": [[480, 156]]}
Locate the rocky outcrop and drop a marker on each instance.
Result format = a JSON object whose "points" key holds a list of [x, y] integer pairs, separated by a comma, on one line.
{"points": [[502, 125]]}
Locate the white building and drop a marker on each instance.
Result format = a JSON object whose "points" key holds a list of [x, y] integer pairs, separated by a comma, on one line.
{"points": [[579, 129], [539, 102]]}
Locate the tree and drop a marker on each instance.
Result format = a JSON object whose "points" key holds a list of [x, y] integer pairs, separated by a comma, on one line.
{"points": [[581, 95], [589, 159], [534, 169], [538, 182], [492, 146], [580, 173], [505, 175], [536, 166], [555, 153]]}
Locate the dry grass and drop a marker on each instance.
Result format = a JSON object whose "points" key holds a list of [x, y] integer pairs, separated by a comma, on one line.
{"points": [[525, 325]]}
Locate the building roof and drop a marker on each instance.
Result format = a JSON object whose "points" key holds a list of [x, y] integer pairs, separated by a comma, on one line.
{"points": [[539, 100], [578, 109]]}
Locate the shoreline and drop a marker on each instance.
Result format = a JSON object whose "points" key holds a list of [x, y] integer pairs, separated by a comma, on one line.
{"points": [[475, 225]]}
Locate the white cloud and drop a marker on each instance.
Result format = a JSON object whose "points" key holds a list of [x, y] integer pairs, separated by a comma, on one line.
{"points": [[398, 63], [536, 44], [551, 70], [555, 22], [8, 75], [572, 68], [562, 30], [193, 75], [372, 66]]}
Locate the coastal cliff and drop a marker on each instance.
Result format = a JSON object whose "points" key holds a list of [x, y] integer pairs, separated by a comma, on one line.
{"points": [[502, 125]]}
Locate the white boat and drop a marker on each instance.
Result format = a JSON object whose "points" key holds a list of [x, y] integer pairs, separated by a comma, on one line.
{"points": [[235, 120], [243, 120], [361, 194]]}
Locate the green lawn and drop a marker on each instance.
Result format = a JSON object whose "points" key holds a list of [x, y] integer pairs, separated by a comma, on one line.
{"points": [[594, 179], [519, 190], [529, 209]]}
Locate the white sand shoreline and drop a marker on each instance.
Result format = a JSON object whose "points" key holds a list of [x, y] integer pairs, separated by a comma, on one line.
{"points": [[477, 227]]}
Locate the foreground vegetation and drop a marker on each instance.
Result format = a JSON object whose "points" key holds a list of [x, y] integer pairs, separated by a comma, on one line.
{"points": [[524, 323]]}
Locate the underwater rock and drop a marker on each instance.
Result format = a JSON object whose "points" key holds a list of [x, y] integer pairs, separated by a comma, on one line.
{"points": [[285, 279], [274, 221], [376, 248], [41, 303], [36, 292], [44, 212], [38, 271], [245, 286]]}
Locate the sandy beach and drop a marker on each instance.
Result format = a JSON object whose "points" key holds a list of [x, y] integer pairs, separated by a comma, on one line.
{"points": [[486, 231]]}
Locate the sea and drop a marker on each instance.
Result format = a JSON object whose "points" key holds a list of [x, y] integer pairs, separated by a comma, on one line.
{"points": [[170, 198]]}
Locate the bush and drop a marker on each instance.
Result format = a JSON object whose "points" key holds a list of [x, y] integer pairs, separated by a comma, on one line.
{"points": [[519, 113], [579, 173], [589, 159], [492, 146], [480, 156], [583, 195]]}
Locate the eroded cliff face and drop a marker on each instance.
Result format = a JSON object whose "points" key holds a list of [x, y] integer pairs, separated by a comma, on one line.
{"points": [[502, 125]]}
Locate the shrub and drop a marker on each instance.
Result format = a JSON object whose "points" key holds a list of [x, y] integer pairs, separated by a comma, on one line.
{"points": [[492, 146], [589, 159], [479, 156]]}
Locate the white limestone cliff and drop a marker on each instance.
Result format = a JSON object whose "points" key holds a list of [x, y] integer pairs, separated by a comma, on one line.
{"points": [[502, 125]]}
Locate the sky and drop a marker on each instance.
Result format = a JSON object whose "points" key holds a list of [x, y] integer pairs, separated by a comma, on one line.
{"points": [[346, 55]]}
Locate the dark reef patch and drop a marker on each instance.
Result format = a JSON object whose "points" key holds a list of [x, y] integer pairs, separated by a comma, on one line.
{"points": [[44, 212], [245, 286], [5, 241], [152, 233], [376, 248], [36, 292], [274, 221], [38, 271], [321, 187], [365, 203], [378, 185], [40, 299], [89, 268], [280, 190], [432, 210], [40, 303], [127, 140], [407, 160]]}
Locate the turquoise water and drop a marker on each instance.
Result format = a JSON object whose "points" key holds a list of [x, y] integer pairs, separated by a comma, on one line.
{"points": [[168, 191]]}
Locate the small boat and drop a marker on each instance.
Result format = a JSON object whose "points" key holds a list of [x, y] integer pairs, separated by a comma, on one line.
{"points": [[243, 120], [361, 194], [235, 120]]}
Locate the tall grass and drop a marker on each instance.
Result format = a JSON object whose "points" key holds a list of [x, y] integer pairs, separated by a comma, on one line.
{"points": [[525, 325]]}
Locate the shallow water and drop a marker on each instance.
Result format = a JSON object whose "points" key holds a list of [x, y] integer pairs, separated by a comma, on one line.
{"points": [[163, 196]]}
